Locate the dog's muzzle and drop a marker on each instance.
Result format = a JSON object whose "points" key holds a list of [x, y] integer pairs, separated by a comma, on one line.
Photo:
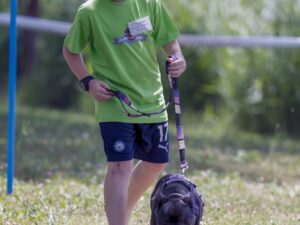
{"points": [[175, 201]]}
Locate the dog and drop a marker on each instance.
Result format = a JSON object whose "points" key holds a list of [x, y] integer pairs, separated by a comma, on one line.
{"points": [[175, 201]]}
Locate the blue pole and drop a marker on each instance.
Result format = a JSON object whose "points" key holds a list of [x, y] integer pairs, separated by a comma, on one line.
{"points": [[12, 94]]}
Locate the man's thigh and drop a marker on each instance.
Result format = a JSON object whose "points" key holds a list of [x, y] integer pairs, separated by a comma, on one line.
{"points": [[152, 142], [125, 141]]}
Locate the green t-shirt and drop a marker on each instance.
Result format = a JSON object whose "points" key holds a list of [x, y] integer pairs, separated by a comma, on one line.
{"points": [[125, 62]]}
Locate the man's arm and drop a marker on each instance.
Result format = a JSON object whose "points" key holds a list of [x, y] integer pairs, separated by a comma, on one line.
{"points": [[177, 67], [97, 88], [75, 63]]}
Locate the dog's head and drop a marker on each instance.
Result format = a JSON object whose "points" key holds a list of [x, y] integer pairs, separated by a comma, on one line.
{"points": [[174, 203]]}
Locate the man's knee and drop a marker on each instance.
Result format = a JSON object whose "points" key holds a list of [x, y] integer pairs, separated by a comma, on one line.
{"points": [[119, 169]]}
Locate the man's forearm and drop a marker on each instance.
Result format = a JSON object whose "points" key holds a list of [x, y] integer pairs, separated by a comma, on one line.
{"points": [[75, 63], [173, 48], [178, 65]]}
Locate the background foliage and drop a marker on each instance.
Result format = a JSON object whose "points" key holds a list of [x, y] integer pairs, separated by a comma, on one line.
{"points": [[255, 89]]}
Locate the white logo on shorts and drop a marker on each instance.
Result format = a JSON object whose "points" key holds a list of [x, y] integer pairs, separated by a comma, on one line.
{"points": [[119, 146], [164, 147]]}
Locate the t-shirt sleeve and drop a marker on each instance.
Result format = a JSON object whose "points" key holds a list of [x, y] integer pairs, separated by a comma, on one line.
{"points": [[164, 29], [79, 33]]}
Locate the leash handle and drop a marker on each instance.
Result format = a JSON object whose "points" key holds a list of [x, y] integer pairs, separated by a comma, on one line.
{"points": [[179, 126]]}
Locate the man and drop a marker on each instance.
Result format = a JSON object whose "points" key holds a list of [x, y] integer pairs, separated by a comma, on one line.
{"points": [[123, 36]]}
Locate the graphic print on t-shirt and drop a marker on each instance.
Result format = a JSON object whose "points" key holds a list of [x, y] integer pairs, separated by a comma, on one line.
{"points": [[130, 39]]}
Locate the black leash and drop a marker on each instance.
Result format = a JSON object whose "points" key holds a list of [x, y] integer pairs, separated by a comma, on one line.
{"points": [[173, 97], [124, 100], [179, 126]]}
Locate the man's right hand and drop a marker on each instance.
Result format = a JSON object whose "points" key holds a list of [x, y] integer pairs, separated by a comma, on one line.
{"points": [[98, 90]]}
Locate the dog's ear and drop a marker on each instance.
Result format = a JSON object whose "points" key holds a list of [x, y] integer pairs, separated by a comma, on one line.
{"points": [[153, 207], [162, 197], [152, 219], [187, 198], [157, 201]]}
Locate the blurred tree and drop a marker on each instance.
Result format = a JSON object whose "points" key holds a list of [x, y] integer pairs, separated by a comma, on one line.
{"points": [[50, 76], [4, 43], [256, 88], [28, 41]]}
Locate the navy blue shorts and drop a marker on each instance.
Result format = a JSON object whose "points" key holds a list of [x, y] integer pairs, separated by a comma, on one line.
{"points": [[127, 141]]}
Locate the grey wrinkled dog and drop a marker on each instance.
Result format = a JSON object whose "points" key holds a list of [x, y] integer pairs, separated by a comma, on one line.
{"points": [[175, 201]]}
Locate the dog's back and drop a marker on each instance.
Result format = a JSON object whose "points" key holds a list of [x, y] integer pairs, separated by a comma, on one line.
{"points": [[175, 201]]}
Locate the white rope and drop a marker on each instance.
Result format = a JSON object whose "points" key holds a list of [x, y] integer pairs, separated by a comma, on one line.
{"points": [[243, 42], [37, 24], [61, 28]]}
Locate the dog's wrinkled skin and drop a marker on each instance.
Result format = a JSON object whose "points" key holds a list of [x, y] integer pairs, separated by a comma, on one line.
{"points": [[172, 206]]}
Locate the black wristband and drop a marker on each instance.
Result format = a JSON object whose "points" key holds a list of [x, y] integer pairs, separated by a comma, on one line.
{"points": [[85, 82]]}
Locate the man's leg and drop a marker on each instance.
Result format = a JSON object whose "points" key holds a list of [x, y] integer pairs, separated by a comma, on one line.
{"points": [[116, 191], [143, 176]]}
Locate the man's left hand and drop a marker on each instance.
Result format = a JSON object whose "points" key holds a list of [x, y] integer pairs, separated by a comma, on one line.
{"points": [[176, 67]]}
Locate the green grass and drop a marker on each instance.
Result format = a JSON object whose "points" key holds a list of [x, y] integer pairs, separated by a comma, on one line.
{"points": [[245, 178]]}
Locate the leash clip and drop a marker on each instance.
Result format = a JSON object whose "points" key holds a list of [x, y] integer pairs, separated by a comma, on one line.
{"points": [[183, 167]]}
